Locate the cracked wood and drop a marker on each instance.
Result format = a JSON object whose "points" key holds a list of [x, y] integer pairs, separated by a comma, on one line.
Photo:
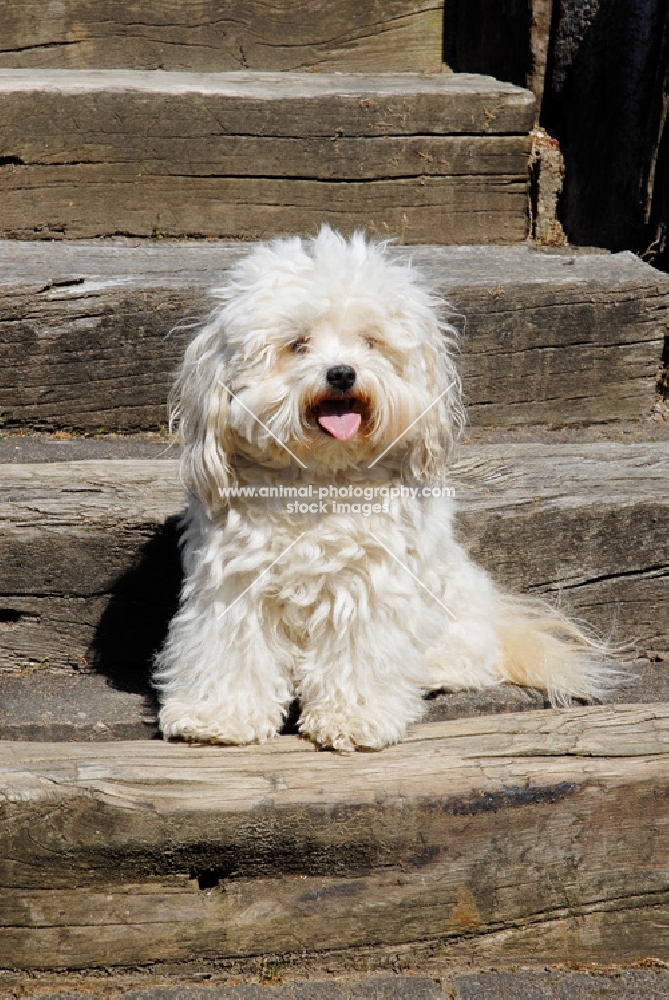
{"points": [[507, 836], [91, 333], [247, 155], [201, 35], [89, 565]]}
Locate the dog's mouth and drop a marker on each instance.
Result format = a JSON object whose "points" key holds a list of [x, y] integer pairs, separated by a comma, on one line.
{"points": [[340, 416]]}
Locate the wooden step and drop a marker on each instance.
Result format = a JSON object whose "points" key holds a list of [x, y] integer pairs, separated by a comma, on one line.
{"points": [[539, 836], [54, 705], [89, 565], [90, 336], [206, 36], [430, 158], [42, 704]]}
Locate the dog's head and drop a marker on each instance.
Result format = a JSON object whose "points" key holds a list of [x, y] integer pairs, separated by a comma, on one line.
{"points": [[323, 353]]}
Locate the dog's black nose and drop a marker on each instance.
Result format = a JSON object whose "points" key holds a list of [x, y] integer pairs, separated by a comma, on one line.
{"points": [[340, 377]]}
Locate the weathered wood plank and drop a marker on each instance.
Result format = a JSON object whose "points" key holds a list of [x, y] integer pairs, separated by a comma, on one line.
{"points": [[606, 88], [89, 567], [63, 705], [200, 35], [549, 338], [78, 202], [53, 705], [95, 153], [335, 158], [474, 832], [109, 103], [621, 482], [302, 916]]}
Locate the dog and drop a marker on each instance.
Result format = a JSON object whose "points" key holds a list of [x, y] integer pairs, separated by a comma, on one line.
{"points": [[318, 408]]}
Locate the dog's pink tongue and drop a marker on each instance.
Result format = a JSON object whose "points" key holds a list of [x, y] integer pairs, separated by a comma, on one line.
{"points": [[342, 426]]}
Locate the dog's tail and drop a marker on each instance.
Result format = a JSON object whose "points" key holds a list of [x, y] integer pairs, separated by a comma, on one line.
{"points": [[544, 649]]}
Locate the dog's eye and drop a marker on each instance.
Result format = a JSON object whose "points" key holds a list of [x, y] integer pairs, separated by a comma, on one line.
{"points": [[371, 342], [299, 346]]}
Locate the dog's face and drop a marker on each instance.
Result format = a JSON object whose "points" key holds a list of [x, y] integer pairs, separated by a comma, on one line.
{"points": [[326, 352], [332, 383]]}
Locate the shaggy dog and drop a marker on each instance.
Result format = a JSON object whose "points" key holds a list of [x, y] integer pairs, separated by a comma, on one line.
{"points": [[317, 411]]}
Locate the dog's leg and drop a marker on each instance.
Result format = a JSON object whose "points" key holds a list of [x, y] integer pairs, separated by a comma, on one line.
{"points": [[359, 682], [217, 679], [224, 672], [362, 694]]}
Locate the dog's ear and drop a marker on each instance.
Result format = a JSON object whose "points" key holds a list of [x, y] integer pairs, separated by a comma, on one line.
{"points": [[433, 368], [200, 405]]}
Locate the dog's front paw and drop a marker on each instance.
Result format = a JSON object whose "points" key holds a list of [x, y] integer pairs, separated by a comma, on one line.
{"points": [[194, 724], [350, 731]]}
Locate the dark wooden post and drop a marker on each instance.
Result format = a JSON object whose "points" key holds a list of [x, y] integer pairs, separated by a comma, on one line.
{"points": [[606, 101]]}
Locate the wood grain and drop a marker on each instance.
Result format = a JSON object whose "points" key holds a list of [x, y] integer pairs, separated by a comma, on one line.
{"points": [[89, 566], [256, 104], [496, 834], [82, 201], [88, 338], [203, 35], [247, 155], [332, 158]]}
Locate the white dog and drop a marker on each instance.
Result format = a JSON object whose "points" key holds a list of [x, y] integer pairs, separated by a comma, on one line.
{"points": [[323, 392]]}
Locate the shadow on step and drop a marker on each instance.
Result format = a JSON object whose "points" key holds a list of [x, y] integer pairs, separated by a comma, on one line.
{"points": [[134, 624]]}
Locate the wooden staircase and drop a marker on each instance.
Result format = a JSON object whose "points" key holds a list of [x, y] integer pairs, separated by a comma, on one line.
{"points": [[432, 158], [137, 153]]}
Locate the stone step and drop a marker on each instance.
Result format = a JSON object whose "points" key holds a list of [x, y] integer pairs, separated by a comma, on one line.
{"points": [[361, 987], [538, 837], [430, 158], [206, 36], [89, 564], [275, 980], [91, 332]]}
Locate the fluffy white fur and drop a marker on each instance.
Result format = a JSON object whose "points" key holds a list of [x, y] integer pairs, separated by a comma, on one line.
{"points": [[334, 621]]}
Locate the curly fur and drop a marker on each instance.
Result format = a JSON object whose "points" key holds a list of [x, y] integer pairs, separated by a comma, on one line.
{"points": [[278, 605]]}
